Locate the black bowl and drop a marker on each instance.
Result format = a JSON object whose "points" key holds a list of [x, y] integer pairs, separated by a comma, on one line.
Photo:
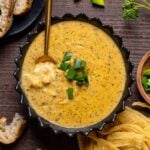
{"points": [[127, 92]]}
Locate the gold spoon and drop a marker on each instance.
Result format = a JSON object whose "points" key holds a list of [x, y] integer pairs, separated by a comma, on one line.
{"points": [[46, 57]]}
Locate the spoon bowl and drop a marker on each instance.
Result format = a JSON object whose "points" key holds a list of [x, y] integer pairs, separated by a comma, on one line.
{"points": [[45, 57], [144, 64]]}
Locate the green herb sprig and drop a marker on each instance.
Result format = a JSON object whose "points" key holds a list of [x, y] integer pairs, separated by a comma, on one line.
{"points": [[131, 8]]}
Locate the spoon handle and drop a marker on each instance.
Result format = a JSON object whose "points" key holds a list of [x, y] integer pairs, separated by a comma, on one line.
{"points": [[48, 24]]}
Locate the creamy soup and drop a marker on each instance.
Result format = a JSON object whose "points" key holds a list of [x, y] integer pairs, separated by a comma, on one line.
{"points": [[45, 85]]}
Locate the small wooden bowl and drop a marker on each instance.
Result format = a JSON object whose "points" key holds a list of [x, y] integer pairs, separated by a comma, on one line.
{"points": [[144, 64]]}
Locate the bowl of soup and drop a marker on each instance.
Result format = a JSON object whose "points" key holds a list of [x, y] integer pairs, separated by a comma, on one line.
{"points": [[87, 85]]}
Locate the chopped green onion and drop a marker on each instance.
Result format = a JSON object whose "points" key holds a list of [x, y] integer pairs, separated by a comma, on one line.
{"points": [[99, 2], [79, 64], [147, 89], [144, 81], [148, 82], [76, 64], [79, 76], [70, 93], [64, 66], [82, 78], [83, 64], [67, 56], [71, 73], [147, 72], [76, 72]]}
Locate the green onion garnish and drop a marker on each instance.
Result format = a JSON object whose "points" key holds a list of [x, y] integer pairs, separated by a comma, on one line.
{"points": [[79, 64], [82, 78], [83, 64], [147, 72], [64, 66], [76, 72], [70, 93], [99, 2], [146, 80], [71, 73], [67, 56]]}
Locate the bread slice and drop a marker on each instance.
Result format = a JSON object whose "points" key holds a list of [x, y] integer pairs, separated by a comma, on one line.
{"points": [[22, 6], [10, 133], [6, 15]]}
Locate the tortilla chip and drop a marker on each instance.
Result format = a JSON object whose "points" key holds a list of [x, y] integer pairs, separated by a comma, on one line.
{"points": [[125, 128], [144, 105], [133, 117], [85, 143], [126, 140], [145, 147], [131, 131], [94, 143]]}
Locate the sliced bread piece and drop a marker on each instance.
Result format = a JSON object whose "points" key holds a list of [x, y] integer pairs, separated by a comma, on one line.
{"points": [[6, 15], [22, 6], [10, 133]]}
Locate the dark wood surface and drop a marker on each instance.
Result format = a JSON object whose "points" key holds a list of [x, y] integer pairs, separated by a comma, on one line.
{"points": [[136, 37]]}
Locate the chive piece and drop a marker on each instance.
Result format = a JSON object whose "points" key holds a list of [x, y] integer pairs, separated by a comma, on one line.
{"points": [[147, 89], [144, 81], [67, 56], [82, 78], [83, 64], [147, 72], [76, 64], [98, 2], [79, 64], [86, 78], [148, 82], [64, 66], [79, 76], [71, 73], [70, 93]]}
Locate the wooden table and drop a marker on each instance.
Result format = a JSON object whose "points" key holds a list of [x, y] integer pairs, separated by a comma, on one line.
{"points": [[136, 37]]}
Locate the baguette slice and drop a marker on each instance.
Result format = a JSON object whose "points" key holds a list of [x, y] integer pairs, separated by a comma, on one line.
{"points": [[10, 133], [22, 6], [6, 15]]}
